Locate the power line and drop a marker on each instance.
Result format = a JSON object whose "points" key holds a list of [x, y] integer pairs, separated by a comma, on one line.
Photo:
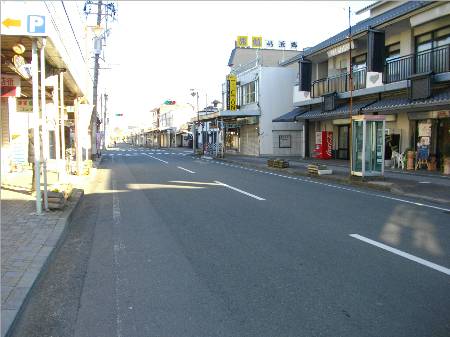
{"points": [[74, 35]]}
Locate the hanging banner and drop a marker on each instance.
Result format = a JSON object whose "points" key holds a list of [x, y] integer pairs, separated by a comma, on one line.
{"points": [[10, 85], [24, 105], [231, 92]]}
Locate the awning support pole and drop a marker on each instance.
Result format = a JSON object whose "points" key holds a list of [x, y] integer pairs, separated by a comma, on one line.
{"points": [[37, 140]]}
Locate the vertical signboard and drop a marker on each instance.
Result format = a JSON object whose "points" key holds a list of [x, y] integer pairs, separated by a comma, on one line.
{"points": [[231, 92], [256, 41], [242, 41]]}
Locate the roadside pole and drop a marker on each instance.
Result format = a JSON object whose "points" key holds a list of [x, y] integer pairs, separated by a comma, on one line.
{"points": [[350, 143], [95, 90], [62, 117], [45, 142], [37, 141], [104, 121], [193, 137], [55, 96]]}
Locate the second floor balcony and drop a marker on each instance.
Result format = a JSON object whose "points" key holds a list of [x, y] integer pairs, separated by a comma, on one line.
{"points": [[435, 60], [339, 83]]}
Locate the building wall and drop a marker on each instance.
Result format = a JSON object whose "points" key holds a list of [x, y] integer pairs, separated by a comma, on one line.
{"points": [[432, 25], [275, 99], [249, 140], [295, 131], [269, 57]]}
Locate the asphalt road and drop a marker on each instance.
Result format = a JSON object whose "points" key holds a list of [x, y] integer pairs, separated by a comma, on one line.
{"points": [[166, 245]]}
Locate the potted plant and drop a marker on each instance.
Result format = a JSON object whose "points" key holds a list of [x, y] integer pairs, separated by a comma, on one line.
{"points": [[446, 163]]}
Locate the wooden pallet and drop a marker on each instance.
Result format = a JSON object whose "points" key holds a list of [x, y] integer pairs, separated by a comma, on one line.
{"points": [[277, 163], [318, 169]]}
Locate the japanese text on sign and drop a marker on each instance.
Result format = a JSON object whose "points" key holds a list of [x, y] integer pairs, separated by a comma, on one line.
{"points": [[231, 92]]}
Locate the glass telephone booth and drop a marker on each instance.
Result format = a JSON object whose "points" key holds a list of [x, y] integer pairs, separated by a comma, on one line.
{"points": [[368, 145]]}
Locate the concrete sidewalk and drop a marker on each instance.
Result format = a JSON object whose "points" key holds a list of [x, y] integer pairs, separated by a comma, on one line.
{"points": [[28, 240], [422, 184]]}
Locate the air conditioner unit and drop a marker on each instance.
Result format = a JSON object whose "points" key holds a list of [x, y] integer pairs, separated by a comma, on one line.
{"points": [[374, 79]]}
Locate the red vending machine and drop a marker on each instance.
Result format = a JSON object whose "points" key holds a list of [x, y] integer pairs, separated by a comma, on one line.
{"points": [[324, 144]]}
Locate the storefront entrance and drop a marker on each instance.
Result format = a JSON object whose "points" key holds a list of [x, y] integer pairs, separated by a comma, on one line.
{"points": [[343, 140], [443, 138]]}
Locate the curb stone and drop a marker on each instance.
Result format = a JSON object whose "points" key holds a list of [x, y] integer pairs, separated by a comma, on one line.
{"points": [[60, 232]]}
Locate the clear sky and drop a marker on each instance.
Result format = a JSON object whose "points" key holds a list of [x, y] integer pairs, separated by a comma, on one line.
{"points": [[160, 49]]}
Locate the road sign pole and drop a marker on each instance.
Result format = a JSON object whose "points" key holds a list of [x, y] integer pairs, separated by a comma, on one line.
{"points": [[62, 133], [45, 142], [37, 141]]}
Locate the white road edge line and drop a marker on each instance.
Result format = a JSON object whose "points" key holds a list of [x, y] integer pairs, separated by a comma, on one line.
{"points": [[403, 254], [364, 192], [166, 162], [238, 190], [182, 168]]}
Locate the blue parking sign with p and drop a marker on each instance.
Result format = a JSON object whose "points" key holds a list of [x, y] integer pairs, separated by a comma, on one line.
{"points": [[36, 24]]}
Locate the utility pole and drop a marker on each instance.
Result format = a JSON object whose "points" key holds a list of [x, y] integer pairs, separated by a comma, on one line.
{"points": [[104, 10], [104, 121], [94, 99], [194, 93], [351, 90]]}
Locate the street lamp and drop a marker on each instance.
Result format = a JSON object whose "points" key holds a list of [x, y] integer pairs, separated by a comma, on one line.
{"points": [[194, 92]]}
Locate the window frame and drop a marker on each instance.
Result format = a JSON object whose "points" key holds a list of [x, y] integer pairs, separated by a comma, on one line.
{"points": [[246, 96], [389, 52], [433, 38]]}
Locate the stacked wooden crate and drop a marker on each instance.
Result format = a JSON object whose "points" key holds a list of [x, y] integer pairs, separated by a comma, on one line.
{"points": [[57, 196], [278, 163], [318, 169]]}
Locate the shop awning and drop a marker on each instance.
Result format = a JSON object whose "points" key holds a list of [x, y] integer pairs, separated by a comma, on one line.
{"points": [[439, 100], [342, 111], [290, 116], [226, 114]]}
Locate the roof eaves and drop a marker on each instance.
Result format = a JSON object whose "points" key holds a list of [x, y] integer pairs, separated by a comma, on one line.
{"points": [[230, 60], [292, 59]]}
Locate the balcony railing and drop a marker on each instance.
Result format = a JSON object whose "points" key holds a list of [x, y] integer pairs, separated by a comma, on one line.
{"points": [[436, 60], [339, 83]]}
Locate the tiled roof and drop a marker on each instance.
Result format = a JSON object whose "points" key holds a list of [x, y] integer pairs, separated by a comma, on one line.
{"points": [[363, 26], [341, 111], [290, 116], [402, 102]]}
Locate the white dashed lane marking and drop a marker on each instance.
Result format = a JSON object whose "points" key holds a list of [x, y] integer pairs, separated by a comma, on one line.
{"points": [[402, 254]]}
